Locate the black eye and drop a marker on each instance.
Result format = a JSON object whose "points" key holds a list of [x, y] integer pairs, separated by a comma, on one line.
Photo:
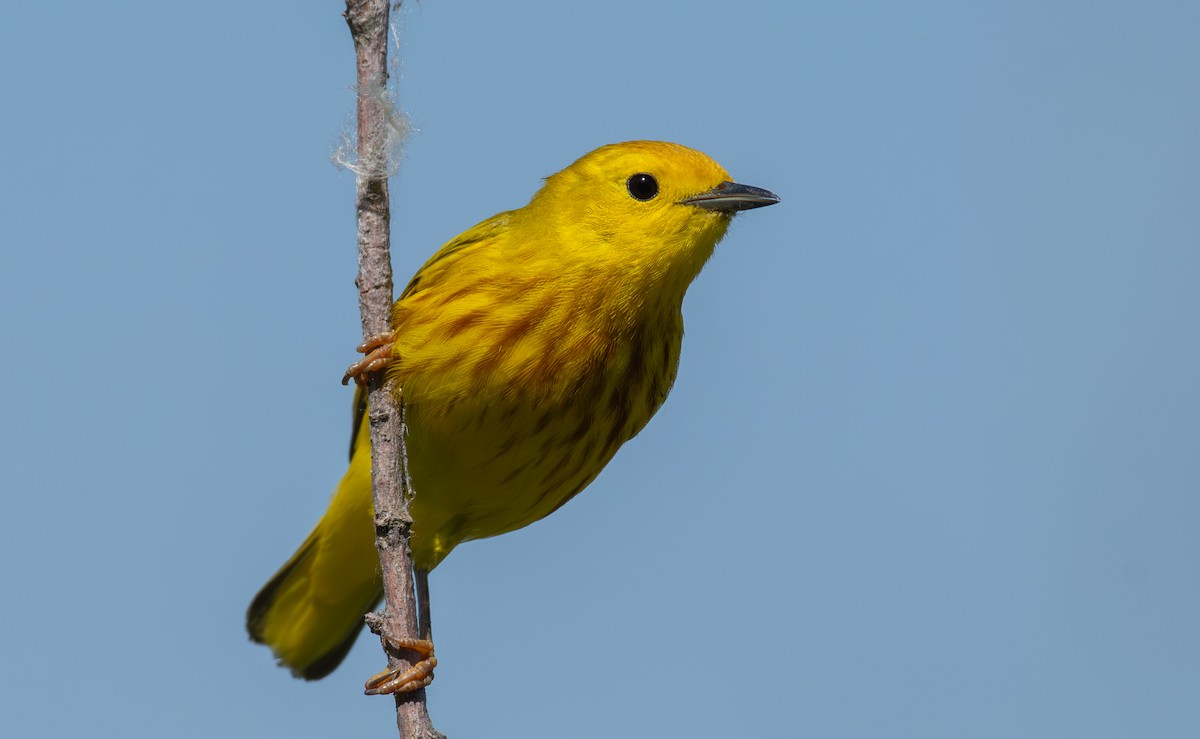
{"points": [[642, 186]]}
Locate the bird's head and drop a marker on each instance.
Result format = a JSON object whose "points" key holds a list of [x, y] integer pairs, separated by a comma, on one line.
{"points": [[649, 210]]}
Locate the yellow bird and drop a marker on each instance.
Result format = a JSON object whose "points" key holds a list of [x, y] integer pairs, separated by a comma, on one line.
{"points": [[529, 349]]}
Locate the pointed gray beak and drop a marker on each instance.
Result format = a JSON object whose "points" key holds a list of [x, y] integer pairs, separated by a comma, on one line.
{"points": [[731, 197]]}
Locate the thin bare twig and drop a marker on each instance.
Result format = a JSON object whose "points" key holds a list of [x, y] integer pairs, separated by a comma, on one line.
{"points": [[369, 23]]}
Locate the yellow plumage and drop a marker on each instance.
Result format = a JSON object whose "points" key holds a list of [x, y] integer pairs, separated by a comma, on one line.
{"points": [[529, 349]]}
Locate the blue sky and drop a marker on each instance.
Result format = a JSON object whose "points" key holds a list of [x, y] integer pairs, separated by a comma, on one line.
{"points": [[930, 467]]}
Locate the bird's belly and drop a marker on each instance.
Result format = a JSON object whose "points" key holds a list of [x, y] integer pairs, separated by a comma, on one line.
{"points": [[489, 470]]}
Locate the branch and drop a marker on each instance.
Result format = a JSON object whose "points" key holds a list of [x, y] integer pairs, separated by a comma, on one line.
{"points": [[368, 21]]}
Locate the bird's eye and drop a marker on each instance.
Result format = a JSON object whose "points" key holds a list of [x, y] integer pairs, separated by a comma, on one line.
{"points": [[642, 186]]}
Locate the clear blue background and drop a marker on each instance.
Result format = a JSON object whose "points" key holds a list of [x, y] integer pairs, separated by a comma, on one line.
{"points": [[931, 467]]}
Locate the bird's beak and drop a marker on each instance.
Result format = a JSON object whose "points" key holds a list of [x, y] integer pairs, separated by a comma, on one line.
{"points": [[730, 197]]}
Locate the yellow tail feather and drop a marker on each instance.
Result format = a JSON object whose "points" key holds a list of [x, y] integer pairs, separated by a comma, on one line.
{"points": [[311, 611]]}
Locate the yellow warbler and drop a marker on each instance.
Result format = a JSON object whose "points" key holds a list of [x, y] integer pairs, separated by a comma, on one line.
{"points": [[529, 349]]}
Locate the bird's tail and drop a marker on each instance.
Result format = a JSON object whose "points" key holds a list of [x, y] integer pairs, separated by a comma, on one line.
{"points": [[311, 611]]}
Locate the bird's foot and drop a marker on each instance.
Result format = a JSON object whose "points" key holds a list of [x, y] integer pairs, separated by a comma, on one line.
{"points": [[404, 681], [378, 351]]}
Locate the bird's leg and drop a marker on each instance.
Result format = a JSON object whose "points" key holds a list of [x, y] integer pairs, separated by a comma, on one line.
{"points": [[424, 622], [378, 351], [421, 673]]}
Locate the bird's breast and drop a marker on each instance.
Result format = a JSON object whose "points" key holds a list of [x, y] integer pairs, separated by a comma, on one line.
{"points": [[519, 415]]}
